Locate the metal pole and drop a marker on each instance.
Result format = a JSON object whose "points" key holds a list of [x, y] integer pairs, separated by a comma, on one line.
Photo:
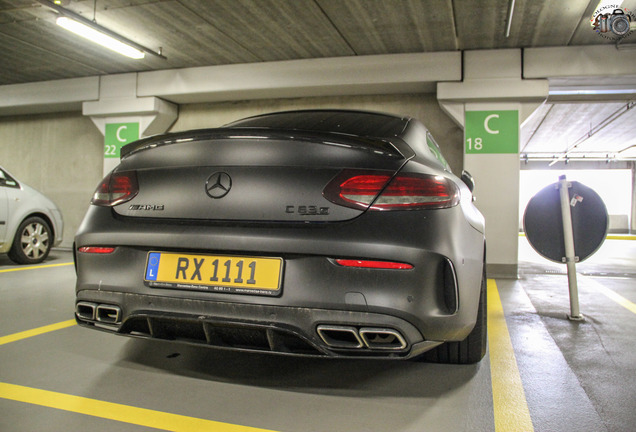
{"points": [[570, 257]]}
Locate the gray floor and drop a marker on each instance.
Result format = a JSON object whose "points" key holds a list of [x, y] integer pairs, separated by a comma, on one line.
{"points": [[576, 376]]}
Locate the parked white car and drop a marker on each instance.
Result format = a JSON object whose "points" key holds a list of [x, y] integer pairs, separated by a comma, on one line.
{"points": [[30, 223]]}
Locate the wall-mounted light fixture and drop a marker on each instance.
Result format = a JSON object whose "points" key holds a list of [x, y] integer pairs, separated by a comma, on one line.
{"points": [[92, 31]]}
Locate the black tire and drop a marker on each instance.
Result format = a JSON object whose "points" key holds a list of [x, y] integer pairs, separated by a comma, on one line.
{"points": [[32, 242], [472, 349]]}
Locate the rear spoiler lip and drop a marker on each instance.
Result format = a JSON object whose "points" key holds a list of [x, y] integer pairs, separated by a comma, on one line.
{"points": [[392, 147]]}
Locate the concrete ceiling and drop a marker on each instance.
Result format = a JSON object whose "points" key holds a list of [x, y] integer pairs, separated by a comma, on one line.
{"points": [[194, 33], [191, 33], [598, 131]]}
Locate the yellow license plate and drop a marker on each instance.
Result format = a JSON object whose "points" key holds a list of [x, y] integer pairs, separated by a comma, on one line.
{"points": [[214, 273]]}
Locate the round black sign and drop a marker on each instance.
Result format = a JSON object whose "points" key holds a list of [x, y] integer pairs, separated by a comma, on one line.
{"points": [[543, 223]]}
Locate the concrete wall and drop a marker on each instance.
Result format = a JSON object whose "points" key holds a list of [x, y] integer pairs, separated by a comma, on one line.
{"points": [[61, 155], [58, 154]]}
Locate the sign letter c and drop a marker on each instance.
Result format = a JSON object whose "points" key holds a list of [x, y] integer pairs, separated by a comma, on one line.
{"points": [[120, 128], [490, 131]]}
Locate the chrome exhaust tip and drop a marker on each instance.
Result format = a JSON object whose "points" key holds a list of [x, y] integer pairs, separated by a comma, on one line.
{"points": [[108, 314], [382, 338], [340, 336], [85, 310]]}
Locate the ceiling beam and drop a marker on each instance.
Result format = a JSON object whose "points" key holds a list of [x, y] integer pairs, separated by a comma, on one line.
{"points": [[578, 61], [48, 96], [377, 74]]}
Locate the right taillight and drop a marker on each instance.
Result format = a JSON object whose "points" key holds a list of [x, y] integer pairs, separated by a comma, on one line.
{"points": [[116, 188], [380, 191], [369, 264]]}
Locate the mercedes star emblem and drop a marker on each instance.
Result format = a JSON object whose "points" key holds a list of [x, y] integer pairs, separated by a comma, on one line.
{"points": [[218, 185]]}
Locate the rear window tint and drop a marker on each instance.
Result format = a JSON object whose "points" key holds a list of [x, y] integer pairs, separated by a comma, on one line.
{"points": [[349, 123], [432, 145]]}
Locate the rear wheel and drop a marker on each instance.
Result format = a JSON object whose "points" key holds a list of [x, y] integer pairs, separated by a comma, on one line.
{"points": [[473, 348], [32, 242]]}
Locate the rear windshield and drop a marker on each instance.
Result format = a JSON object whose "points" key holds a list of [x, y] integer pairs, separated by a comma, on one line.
{"points": [[349, 123]]}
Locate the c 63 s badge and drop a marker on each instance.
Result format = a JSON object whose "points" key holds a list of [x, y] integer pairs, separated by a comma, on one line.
{"points": [[307, 210]]}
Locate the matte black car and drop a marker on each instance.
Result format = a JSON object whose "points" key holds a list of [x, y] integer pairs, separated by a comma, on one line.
{"points": [[326, 233]]}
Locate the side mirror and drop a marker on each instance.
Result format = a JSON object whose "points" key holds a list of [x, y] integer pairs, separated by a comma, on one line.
{"points": [[468, 180]]}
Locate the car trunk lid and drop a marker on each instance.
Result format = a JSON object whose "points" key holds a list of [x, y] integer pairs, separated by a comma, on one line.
{"points": [[249, 176]]}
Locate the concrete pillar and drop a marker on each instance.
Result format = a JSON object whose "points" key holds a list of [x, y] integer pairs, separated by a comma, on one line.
{"points": [[632, 228], [490, 104], [122, 117]]}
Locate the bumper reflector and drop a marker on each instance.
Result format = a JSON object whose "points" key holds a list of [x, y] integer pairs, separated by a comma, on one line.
{"points": [[386, 265], [96, 249]]}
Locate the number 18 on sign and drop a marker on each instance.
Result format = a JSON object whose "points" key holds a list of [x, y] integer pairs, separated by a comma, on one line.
{"points": [[492, 132]]}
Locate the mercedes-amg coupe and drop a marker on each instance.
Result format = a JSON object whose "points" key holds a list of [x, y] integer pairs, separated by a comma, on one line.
{"points": [[325, 232]]}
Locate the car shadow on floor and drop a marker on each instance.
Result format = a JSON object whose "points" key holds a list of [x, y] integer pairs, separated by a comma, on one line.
{"points": [[337, 377]]}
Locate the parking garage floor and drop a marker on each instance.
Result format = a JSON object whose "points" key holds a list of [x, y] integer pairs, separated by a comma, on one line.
{"points": [[542, 372]]}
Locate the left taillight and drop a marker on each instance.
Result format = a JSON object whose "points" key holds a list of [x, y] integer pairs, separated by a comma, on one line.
{"points": [[378, 190], [116, 188]]}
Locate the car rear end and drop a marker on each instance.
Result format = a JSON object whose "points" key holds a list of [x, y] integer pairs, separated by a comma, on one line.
{"points": [[283, 241]]}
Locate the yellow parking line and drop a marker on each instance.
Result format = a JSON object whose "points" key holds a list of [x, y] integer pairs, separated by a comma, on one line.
{"points": [[509, 399], [36, 331], [107, 410], [612, 295], [117, 412], [620, 237], [607, 237], [35, 267]]}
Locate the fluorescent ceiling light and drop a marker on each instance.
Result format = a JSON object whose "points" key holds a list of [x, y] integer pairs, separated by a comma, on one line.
{"points": [[92, 31], [582, 90], [511, 11], [99, 38]]}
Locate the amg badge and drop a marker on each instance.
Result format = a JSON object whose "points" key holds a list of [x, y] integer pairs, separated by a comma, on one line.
{"points": [[147, 207]]}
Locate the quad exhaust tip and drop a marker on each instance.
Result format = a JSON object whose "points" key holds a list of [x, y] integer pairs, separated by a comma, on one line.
{"points": [[349, 337], [382, 338], [107, 314], [85, 310], [340, 336]]}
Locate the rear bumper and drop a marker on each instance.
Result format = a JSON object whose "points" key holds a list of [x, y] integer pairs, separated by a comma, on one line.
{"points": [[426, 305], [282, 330]]}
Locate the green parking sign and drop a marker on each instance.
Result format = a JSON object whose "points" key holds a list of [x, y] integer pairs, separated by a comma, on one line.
{"points": [[116, 135], [492, 132]]}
